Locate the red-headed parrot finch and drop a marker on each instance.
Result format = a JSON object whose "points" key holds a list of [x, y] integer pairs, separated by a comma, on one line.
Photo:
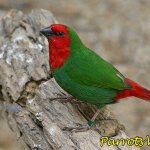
{"points": [[83, 73]]}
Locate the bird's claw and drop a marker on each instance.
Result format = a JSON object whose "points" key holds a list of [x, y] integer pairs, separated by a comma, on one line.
{"points": [[78, 128], [65, 99]]}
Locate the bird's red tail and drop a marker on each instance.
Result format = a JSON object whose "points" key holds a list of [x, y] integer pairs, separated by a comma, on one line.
{"points": [[136, 90]]}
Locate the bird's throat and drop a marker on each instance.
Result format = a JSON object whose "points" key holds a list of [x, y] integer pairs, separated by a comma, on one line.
{"points": [[57, 57]]}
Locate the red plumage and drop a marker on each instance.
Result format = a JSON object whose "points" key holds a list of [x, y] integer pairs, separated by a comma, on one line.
{"points": [[136, 90], [58, 46]]}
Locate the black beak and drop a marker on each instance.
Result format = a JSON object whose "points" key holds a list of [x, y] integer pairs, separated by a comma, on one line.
{"points": [[47, 32]]}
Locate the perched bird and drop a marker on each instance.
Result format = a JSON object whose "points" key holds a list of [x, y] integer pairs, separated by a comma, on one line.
{"points": [[83, 73]]}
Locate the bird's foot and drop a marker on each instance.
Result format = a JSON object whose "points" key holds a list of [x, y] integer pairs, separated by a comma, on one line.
{"points": [[85, 127], [78, 128], [64, 99]]}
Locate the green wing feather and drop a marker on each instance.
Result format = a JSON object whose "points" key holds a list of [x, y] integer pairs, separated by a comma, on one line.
{"points": [[86, 67]]}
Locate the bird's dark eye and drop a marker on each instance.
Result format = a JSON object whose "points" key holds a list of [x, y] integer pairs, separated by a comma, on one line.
{"points": [[59, 33]]}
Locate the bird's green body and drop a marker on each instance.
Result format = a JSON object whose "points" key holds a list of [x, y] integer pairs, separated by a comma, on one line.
{"points": [[87, 76]]}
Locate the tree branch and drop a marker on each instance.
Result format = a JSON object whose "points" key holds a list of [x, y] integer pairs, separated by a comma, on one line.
{"points": [[25, 81]]}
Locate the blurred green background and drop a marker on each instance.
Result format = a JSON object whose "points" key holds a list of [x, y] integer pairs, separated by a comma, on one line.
{"points": [[118, 30]]}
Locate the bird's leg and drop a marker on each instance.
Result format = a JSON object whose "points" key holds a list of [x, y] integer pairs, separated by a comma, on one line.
{"points": [[63, 99], [84, 127], [66, 99], [91, 121]]}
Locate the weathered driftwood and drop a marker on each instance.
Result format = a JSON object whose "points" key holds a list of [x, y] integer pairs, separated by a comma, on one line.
{"points": [[24, 81]]}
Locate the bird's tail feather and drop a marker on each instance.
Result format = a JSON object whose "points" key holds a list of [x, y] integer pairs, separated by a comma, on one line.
{"points": [[136, 90], [139, 91]]}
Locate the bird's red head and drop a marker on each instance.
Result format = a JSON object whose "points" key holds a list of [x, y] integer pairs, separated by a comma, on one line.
{"points": [[59, 40]]}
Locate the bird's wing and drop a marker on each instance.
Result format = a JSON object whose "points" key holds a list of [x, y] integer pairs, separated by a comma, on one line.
{"points": [[86, 67]]}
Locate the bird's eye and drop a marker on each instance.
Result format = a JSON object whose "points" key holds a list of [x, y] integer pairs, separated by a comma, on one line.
{"points": [[59, 33]]}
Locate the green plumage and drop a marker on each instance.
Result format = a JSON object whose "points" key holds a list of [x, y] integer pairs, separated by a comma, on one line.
{"points": [[87, 76]]}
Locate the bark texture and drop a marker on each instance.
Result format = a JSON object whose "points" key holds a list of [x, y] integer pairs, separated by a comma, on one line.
{"points": [[26, 89]]}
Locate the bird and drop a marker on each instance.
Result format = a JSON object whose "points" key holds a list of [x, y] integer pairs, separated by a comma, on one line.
{"points": [[84, 74]]}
